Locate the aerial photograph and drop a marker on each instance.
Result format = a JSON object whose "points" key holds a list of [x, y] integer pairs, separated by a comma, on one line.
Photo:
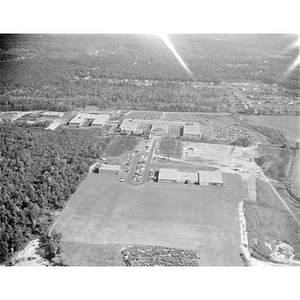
{"points": [[149, 150]]}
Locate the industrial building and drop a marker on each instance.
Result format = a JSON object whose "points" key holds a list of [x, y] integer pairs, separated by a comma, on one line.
{"points": [[109, 169], [167, 175], [210, 178], [86, 119], [191, 130], [100, 120], [204, 178], [128, 126], [187, 177], [52, 114]]}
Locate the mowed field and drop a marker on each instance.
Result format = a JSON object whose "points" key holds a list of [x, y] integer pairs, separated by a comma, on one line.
{"points": [[120, 145], [105, 215], [289, 124], [171, 147]]}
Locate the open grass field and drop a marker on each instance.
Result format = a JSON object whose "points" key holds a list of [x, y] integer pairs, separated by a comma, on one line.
{"points": [[289, 124], [171, 147], [105, 214], [120, 145]]}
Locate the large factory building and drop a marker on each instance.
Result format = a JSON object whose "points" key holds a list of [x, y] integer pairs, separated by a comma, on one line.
{"points": [[204, 178], [86, 119]]}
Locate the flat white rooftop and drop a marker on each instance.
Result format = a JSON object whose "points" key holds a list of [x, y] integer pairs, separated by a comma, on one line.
{"points": [[129, 125], [167, 174], [53, 114], [191, 129], [210, 176], [187, 176], [107, 167], [98, 119]]}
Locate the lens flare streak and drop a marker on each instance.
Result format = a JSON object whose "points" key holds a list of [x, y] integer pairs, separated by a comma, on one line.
{"points": [[296, 62], [168, 43]]}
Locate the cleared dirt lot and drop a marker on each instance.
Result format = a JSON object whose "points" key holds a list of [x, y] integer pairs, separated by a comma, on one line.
{"points": [[105, 212], [268, 220]]}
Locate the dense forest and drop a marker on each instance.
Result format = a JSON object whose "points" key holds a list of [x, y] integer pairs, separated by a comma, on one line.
{"points": [[39, 170], [61, 72]]}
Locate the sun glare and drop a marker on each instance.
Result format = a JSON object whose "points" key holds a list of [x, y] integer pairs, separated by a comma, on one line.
{"points": [[296, 62], [169, 44]]}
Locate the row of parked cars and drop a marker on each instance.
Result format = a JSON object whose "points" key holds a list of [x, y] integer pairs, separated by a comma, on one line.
{"points": [[140, 168]]}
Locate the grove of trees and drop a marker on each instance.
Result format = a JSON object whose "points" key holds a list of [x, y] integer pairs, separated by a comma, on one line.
{"points": [[39, 170]]}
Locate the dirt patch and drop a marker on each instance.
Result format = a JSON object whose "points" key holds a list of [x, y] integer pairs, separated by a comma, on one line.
{"points": [[268, 220], [28, 256], [159, 256], [274, 162]]}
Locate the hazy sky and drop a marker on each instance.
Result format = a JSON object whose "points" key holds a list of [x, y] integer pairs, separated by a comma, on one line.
{"points": [[155, 16]]}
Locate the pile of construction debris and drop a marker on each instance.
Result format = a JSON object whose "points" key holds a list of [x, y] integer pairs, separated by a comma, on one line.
{"points": [[159, 256]]}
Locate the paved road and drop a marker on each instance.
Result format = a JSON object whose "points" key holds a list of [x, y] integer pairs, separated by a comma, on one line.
{"points": [[133, 168], [147, 165]]}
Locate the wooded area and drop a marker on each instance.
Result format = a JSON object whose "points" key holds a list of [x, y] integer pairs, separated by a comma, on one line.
{"points": [[62, 72], [39, 170]]}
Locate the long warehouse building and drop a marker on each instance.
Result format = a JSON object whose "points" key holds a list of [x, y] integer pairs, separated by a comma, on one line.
{"points": [[203, 178], [86, 119]]}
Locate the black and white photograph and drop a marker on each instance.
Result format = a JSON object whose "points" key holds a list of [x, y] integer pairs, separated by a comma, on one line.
{"points": [[169, 147]]}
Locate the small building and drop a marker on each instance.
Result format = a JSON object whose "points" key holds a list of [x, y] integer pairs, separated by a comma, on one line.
{"points": [[167, 175], [191, 130], [128, 126], [79, 121], [187, 177], [109, 169], [53, 114], [210, 178], [99, 120]]}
